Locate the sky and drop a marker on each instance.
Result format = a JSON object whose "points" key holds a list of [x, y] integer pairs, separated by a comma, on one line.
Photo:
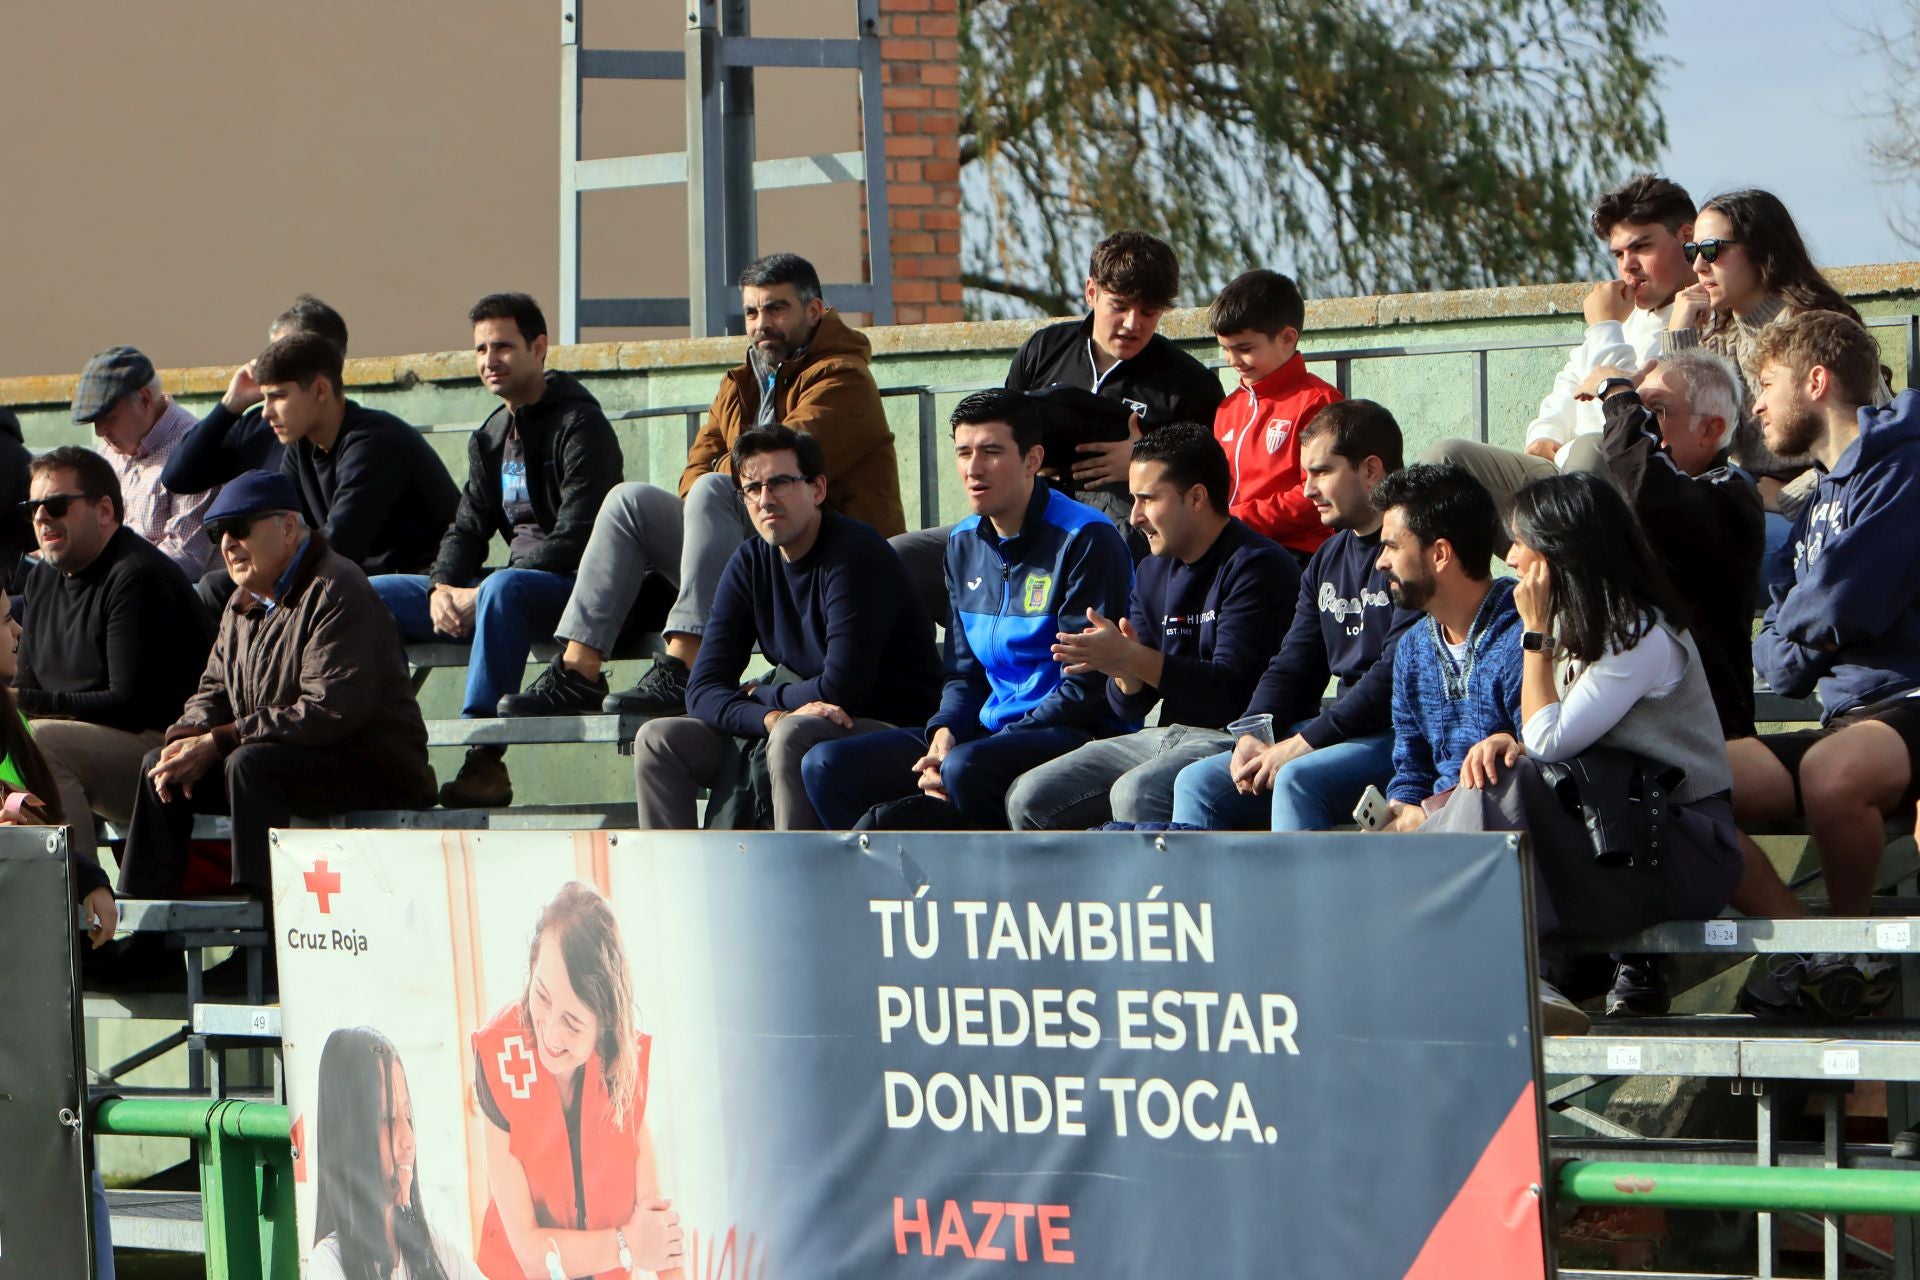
{"points": [[1778, 94]]}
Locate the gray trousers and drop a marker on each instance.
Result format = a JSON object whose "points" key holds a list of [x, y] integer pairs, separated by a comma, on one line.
{"points": [[1505, 472], [675, 756], [1124, 779], [643, 529]]}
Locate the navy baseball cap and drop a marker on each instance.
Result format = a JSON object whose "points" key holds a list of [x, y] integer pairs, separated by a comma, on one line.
{"points": [[252, 493]]}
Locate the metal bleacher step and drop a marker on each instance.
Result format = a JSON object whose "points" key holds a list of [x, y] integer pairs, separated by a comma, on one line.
{"points": [[167, 1221], [531, 730], [1837, 1059], [1739, 936], [531, 817]]}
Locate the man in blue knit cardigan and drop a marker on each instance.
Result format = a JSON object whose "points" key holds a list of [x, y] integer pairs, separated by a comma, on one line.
{"points": [[1456, 673]]}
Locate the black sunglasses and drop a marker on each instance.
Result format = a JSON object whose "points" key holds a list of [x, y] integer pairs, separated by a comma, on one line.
{"points": [[239, 526], [1708, 250], [55, 503]]}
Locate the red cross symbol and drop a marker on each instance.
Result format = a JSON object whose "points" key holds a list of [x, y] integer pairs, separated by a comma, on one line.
{"points": [[323, 883], [519, 1083]]}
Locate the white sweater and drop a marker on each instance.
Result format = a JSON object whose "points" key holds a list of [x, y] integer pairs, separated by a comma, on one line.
{"points": [[1626, 345]]}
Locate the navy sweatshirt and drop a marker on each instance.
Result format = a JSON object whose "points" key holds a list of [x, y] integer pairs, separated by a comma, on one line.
{"points": [[1849, 622], [1345, 626], [1442, 709], [218, 448], [381, 494], [1216, 621], [844, 618], [1009, 598]]}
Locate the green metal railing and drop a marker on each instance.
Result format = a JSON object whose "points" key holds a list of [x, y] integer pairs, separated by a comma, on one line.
{"points": [[246, 1176], [1850, 1192]]}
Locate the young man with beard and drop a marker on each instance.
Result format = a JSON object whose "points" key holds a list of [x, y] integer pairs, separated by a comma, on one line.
{"points": [[1646, 225], [1344, 627], [1209, 608], [1456, 674], [1848, 626]]}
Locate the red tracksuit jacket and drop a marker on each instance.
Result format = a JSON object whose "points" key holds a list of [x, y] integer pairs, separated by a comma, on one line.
{"points": [[1259, 427]]}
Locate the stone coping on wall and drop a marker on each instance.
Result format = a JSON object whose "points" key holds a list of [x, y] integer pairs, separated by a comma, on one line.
{"points": [[1377, 311]]}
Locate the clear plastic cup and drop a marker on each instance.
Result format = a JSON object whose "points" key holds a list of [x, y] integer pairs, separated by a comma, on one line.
{"points": [[1260, 726]]}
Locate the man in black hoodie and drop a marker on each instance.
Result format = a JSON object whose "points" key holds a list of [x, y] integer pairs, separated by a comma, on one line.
{"points": [[537, 471]]}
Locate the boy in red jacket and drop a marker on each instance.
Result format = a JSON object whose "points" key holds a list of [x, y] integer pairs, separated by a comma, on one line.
{"points": [[1257, 320]]}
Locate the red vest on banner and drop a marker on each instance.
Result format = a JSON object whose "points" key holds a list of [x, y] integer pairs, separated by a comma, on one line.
{"points": [[527, 1096]]}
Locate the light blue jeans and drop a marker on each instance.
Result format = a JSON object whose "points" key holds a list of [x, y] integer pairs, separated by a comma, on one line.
{"points": [[1317, 792]]}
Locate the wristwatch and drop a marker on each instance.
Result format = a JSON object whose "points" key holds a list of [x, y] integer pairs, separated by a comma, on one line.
{"points": [[1537, 641], [626, 1254], [1606, 388]]}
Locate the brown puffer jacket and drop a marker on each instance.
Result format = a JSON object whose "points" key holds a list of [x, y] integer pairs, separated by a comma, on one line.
{"points": [[323, 668], [829, 392]]}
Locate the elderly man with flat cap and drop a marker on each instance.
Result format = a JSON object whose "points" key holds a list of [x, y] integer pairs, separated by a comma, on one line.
{"points": [[138, 425], [305, 709]]}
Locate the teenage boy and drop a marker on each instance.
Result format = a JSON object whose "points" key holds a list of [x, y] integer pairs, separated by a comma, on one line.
{"points": [[1456, 674], [1208, 609], [1026, 566], [1256, 320], [1115, 351], [367, 480], [1646, 225], [823, 598], [537, 471], [234, 436], [1344, 628], [1848, 625]]}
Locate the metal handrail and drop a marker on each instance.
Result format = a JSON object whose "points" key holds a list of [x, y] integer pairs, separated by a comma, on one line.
{"points": [[1756, 1189]]}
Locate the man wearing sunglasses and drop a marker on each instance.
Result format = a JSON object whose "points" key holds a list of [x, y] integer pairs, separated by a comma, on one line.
{"points": [[113, 645], [821, 596], [305, 709], [1646, 224]]}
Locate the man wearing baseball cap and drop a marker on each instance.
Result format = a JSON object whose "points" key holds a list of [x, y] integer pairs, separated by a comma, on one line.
{"points": [[305, 708], [138, 425]]}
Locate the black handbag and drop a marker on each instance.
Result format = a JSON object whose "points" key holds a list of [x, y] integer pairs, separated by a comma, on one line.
{"points": [[1620, 798]]}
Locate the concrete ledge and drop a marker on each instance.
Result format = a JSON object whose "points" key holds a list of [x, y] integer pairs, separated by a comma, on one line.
{"points": [[1324, 316]]}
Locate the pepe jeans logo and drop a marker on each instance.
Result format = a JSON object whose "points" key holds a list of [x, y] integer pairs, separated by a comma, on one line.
{"points": [[1033, 599], [1277, 433]]}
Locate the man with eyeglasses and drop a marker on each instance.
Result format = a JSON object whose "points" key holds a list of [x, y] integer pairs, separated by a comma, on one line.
{"points": [[1646, 225], [304, 710], [807, 369], [112, 646], [821, 596]]}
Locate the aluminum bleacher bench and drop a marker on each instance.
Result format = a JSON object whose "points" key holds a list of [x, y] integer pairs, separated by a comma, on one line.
{"points": [[531, 817]]}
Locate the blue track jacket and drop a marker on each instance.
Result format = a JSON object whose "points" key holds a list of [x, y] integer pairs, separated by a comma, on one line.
{"points": [[1009, 598]]}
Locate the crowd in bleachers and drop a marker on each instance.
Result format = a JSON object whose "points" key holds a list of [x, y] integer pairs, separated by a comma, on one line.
{"points": [[215, 612]]}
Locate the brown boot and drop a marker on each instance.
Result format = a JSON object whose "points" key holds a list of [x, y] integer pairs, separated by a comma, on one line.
{"points": [[482, 782]]}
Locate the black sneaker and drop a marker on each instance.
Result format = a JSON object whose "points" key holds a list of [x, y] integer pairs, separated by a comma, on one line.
{"points": [[482, 782], [557, 691], [1774, 989], [661, 692], [1639, 988], [1834, 987]]}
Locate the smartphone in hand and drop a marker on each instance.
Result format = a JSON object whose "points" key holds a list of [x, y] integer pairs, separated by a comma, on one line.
{"points": [[1372, 813]]}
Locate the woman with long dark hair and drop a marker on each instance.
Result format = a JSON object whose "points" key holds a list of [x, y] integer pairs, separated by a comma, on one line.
{"points": [[562, 1084], [368, 1224], [1619, 774]]}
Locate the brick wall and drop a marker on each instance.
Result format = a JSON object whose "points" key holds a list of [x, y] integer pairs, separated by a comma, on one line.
{"points": [[920, 43]]}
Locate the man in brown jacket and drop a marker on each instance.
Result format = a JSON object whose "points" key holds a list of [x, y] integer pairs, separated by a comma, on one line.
{"points": [[304, 709], [806, 369]]}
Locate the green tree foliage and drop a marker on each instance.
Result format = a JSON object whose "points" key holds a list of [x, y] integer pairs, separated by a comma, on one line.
{"points": [[1364, 145]]}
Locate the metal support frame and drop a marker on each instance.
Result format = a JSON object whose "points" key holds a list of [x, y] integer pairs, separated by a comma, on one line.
{"points": [[722, 177]]}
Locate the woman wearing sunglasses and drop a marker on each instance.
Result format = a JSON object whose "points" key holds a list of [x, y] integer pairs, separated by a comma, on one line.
{"points": [[1751, 269]]}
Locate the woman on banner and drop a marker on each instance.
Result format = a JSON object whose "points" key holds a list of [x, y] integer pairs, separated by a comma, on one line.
{"points": [[368, 1223], [561, 1077], [1619, 775]]}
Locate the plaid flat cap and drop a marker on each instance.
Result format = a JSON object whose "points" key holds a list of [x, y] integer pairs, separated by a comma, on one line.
{"points": [[108, 376]]}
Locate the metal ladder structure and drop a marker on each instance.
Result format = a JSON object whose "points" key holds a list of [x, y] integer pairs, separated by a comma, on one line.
{"points": [[722, 177]]}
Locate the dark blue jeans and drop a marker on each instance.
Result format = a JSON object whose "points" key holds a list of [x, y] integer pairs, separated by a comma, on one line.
{"points": [[515, 608], [846, 778]]}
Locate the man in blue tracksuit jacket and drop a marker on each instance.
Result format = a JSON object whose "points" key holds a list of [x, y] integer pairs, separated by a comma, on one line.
{"points": [[1848, 624], [1026, 565]]}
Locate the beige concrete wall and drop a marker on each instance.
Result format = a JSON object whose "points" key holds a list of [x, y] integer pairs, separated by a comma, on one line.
{"points": [[176, 172]]}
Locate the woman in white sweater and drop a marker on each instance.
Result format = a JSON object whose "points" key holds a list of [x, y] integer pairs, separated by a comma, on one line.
{"points": [[1619, 775]]}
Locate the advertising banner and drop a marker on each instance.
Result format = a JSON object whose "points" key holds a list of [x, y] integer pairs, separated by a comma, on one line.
{"points": [[43, 1183], [723, 1055]]}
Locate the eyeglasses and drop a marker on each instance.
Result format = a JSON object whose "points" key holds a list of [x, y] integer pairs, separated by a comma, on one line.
{"points": [[774, 486], [1708, 250], [55, 503], [241, 527]]}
